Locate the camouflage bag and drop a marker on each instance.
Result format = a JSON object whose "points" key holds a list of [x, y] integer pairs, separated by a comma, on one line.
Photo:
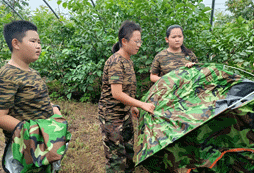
{"points": [[203, 119], [37, 145]]}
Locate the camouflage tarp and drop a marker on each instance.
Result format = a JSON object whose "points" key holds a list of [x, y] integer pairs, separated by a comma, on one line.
{"points": [[37, 145], [204, 117]]}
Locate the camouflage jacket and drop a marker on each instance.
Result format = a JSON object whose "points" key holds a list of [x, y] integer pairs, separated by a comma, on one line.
{"points": [[117, 70], [166, 61], [36, 144]]}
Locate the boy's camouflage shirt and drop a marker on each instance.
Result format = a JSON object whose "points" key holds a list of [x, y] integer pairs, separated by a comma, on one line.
{"points": [[165, 61], [117, 70], [203, 115], [24, 93]]}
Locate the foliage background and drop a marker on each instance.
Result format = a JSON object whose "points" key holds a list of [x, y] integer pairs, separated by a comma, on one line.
{"points": [[75, 49]]}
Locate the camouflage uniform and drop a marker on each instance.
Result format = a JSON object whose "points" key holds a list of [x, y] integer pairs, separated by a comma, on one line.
{"points": [[166, 61], [24, 93], [116, 123]]}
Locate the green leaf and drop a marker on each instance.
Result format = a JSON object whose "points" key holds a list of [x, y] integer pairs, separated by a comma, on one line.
{"points": [[140, 70], [69, 96], [43, 53], [238, 60], [90, 88], [99, 73], [148, 62], [246, 64], [243, 54], [65, 4], [180, 5], [84, 89], [59, 2], [251, 38]]}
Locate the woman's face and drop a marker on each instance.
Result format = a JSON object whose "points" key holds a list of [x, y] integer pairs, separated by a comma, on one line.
{"points": [[132, 46], [175, 39]]}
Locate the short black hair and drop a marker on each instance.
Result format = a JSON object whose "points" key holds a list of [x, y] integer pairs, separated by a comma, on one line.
{"points": [[17, 29]]}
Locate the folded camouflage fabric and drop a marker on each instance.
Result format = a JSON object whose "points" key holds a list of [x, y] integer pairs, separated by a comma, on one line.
{"points": [[37, 145], [203, 118]]}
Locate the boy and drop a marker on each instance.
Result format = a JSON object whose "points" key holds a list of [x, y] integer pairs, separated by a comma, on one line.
{"points": [[23, 94]]}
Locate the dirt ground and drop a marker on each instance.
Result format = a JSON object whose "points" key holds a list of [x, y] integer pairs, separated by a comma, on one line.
{"points": [[85, 153]]}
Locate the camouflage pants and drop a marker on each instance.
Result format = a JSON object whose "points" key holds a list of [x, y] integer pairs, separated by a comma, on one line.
{"points": [[118, 140]]}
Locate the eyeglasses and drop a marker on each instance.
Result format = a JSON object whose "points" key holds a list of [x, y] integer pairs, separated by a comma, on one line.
{"points": [[138, 42]]}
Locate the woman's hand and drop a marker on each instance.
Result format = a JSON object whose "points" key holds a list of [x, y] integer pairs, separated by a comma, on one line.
{"points": [[149, 107], [154, 77], [118, 94], [190, 64]]}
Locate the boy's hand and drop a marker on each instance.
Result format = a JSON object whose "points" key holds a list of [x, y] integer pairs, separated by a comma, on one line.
{"points": [[56, 111], [7, 122], [190, 64]]}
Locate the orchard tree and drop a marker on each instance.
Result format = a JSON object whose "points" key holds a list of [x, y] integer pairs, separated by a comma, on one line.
{"points": [[18, 8], [244, 8], [222, 18]]}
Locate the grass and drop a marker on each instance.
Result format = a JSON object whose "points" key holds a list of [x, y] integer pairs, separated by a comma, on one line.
{"points": [[85, 153]]}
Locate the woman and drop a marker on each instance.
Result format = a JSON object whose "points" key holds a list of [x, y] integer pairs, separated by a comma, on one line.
{"points": [[175, 56], [118, 99]]}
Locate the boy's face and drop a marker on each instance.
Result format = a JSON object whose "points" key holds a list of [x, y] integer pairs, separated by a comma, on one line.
{"points": [[30, 47]]}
